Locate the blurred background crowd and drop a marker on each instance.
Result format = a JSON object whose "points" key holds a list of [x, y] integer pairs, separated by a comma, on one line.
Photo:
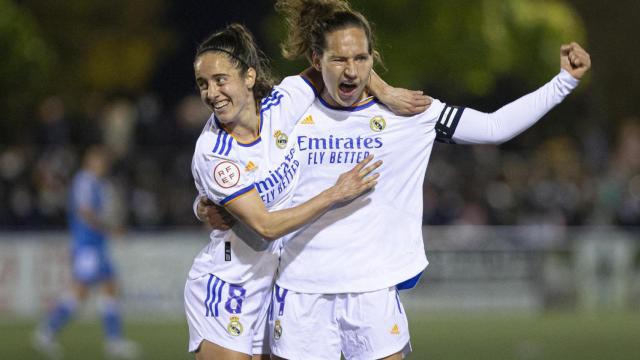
{"points": [[151, 183], [557, 179], [77, 73], [74, 73]]}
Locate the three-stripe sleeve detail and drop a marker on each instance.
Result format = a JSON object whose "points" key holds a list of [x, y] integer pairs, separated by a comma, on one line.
{"points": [[271, 100], [447, 123], [215, 148], [224, 143]]}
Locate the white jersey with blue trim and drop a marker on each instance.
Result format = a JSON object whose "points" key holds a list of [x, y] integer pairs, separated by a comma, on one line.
{"points": [[225, 169], [376, 241]]}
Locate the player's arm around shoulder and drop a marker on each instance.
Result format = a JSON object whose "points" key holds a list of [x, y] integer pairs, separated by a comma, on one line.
{"points": [[400, 101]]}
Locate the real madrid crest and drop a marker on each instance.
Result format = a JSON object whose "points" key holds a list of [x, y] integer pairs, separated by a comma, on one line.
{"points": [[281, 139], [377, 123], [277, 330], [235, 327]]}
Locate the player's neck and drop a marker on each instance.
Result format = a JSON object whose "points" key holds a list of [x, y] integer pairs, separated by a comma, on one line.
{"points": [[247, 128]]}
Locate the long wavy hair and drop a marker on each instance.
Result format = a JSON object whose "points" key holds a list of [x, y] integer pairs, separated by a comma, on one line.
{"points": [[308, 21]]}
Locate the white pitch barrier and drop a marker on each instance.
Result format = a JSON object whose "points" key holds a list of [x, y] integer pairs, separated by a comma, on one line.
{"points": [[520, 269]]}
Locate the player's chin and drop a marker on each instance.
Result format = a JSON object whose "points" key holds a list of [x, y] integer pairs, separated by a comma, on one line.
{"points": [[349, 98], [224, 116]]}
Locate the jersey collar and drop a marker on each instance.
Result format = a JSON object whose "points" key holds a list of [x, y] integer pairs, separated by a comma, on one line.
{"points": [[250, 143], [360, 105]]}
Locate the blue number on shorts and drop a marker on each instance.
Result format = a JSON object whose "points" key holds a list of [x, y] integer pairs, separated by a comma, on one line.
{"points": [[235, 293], [280, 296]]}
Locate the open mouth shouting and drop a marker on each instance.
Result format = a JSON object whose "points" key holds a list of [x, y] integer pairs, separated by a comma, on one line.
{"points": [[347, 90]]}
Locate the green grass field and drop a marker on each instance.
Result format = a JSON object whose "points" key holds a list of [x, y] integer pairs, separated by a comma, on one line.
{"points": [[434, 336]]}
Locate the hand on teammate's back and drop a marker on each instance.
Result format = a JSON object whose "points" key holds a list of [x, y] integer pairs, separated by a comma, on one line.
{"points": [[216, 216], [574, 59]]}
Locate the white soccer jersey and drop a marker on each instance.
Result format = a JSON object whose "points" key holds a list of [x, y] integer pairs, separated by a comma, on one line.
{"points": [[376, 241], [224, 169]]}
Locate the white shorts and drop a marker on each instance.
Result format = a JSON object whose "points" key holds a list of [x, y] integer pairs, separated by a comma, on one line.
{"points": [[369, 325], [230, 315]]}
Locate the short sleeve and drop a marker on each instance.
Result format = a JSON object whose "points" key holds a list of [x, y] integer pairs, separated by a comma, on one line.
{"points": [[290, 99], [220, 180], [429, 118]]}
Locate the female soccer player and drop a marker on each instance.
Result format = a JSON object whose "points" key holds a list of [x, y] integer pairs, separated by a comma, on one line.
{"points": [[337, 282], [244, 162]]}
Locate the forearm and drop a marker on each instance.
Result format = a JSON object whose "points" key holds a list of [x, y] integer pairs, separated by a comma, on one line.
{"points": [[377, 86], [314, 77], [512, 119], [285, 221], [275, 224], [271, 225]]}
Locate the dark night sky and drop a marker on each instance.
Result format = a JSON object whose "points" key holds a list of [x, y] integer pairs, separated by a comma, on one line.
{"points": [[192, 21]]}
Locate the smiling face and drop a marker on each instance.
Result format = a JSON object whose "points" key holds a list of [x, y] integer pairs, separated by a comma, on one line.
{"points": [[345, 65], [223, 87]]}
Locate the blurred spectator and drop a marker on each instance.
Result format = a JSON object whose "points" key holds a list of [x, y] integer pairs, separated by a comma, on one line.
{"points": [[17, 198], [53, 127], [618, 199], [118, 127], [562, 181], [51, 174], [191, 115]]}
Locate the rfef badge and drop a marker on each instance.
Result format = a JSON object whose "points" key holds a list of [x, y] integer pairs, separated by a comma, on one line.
{"points": [[226, 174]]}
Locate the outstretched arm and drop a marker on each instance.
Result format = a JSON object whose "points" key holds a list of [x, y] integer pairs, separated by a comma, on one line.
{"points": [[468, 126]]}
